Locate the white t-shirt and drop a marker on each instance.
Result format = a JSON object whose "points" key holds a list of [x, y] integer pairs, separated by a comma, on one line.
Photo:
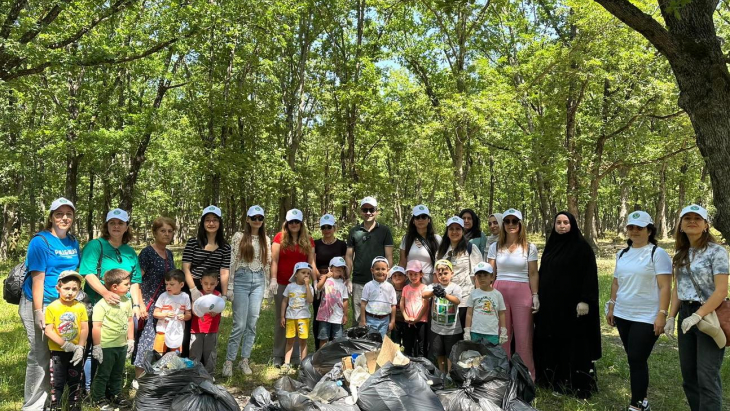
{"points": [[512, 266], [165, 301], [463, 265], [637, 298], [298, 307], [419, 252], [330, 307], [486, 307], [444, 313], [380, 297]]}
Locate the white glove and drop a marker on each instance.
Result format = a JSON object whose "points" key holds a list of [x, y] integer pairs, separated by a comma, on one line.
{"points": [[224, 298], [535, 303], [502, 335], [467, 333], [669, 328], [195, 294], [229, 294], [690, 321], [273, 287], [97, 353], [130, 348], [39, 319], [349, 287], [69, 347], [78, 355], [581, 309]]}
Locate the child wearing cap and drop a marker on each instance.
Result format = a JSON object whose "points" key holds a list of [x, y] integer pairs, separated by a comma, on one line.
{"points": [[398, 279], [378, 299], [172, 304], [295, 317], [66, 328], [204, 331], [415, 311], [445, 325], [332, 313], [485, 315]]}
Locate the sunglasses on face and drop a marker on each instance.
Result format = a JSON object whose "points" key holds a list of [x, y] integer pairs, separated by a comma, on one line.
{"points": [[293, 222], [257, 218], [421, 217], [326, 227], [511, 221], [367, 210]]}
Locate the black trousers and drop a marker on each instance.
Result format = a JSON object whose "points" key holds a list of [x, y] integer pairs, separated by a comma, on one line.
{"points": [[638, 339], [64, 374], [397, 334], [414, 339]]}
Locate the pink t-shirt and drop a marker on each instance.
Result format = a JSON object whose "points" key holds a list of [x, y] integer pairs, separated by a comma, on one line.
{"points": [[413, 301], [330, 307]]}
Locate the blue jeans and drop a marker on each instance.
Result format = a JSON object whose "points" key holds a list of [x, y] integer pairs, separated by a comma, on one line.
{"points": [[378, 324], [248, 293]]}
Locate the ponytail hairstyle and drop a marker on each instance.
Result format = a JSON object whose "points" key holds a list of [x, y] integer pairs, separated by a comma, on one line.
{"points": [[652, 238]]}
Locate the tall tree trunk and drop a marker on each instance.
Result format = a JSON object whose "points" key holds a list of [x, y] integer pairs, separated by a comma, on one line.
{"points": [[90, 210], [661, 207]]}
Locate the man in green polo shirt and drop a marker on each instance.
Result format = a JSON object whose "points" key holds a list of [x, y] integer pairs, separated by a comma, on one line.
{"points": [[365, 242]]}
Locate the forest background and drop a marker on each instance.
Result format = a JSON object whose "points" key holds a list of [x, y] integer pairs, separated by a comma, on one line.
{"points": [[163, 107]]}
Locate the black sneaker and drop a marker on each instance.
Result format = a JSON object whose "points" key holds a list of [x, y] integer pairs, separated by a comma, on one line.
{"points": [[120, 402]]}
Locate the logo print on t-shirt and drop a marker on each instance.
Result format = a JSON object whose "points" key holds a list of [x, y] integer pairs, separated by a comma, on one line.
{"points": [[67, 327]]}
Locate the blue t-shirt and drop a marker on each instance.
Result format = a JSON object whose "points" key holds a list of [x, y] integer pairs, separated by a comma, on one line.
{"points": [[54, 258]]}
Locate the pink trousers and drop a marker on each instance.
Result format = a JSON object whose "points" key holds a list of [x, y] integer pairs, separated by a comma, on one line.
{"points": [[518, 318]]}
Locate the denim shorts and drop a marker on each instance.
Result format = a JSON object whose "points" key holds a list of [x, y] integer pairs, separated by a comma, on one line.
{"points": [[329, 331]]}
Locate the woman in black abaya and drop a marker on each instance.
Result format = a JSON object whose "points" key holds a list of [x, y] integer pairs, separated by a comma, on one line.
{"points": [[567, 329]]}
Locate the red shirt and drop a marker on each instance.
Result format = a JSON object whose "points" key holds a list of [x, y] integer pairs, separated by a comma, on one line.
{"points": [[287, 259], [208, 324]]}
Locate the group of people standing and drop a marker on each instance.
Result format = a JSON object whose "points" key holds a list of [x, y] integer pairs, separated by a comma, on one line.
{"points": [[550, 314]]}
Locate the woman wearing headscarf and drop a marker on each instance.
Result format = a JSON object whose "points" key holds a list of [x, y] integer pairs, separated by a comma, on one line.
{"points": [[567, 329], [494, 222]]}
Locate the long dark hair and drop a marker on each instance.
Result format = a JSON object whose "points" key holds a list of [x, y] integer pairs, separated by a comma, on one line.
{"points": [[431, 242], [203, 235], [476, 226], [446, 242], [245, 249], [652, 238]]}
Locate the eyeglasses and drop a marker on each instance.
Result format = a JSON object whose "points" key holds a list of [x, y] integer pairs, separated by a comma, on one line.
{"points": [[257, 218], [326, 227], [293, 222], [61, 215], [511, 221], [367, 210], [421, 217]]}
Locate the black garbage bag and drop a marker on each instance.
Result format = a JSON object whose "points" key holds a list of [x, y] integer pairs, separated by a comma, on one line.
{"points": [[468, 399], [494, 365], [308, 374], [289, 384], [521, 385], [364, 333], [397, 388], [205, 396], [332, 353], [261, 401], [436, 376], [295, 401], [157, 391]]}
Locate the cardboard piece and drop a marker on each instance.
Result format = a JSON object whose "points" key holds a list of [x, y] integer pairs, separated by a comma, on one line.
{"points": [[387, 351], [372, 358], [347, 363]]}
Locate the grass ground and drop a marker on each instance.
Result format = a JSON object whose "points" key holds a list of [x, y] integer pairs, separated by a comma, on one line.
{"points": [[665, 390]]}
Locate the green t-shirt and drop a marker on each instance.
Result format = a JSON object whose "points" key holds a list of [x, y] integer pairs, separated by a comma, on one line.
{"points": [[115, 322], [123, 257], [367, 245]]}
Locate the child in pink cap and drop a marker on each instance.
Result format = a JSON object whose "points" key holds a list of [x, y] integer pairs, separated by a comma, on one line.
{"points": [[415, 311]]}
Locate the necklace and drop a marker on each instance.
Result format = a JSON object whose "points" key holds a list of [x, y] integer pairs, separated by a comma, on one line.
{"points": [[329, 243]]}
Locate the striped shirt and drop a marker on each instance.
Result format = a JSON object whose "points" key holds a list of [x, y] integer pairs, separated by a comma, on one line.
{"points": [[201, 260]]}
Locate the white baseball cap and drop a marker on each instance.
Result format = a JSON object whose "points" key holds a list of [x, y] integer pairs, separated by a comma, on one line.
{"points": [[337, 262], [294, 214], [57, 203], [70, 273], [299, 266], [455, 220], [639, 218], [483, 266], [255, 210], [379, 259], [694, 208], [327, 219], [117, 213], [209, 303], [396, 269], [420, 209], [369, 200], [513, 212], [212, 209]]}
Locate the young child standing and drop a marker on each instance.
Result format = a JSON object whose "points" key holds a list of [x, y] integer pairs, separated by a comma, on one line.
{"points": [[378, 299], [415, 311], [173, 303], [298, 294], [485, 315], [398, 279], [445, 325], [204, 331], [67, 328], [113, 338], [332, 312]]}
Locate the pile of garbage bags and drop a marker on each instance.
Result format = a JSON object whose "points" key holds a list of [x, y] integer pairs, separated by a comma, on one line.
{"points": [[359, 372]]}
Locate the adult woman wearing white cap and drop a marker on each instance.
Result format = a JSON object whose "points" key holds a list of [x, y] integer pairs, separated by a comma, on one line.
{"points": [[420, 242], [209, 250], [515, 262], [463, 256], [325, 249], [640, 295], [50, 252], [250, 266], [701, 285], [291, 245]]}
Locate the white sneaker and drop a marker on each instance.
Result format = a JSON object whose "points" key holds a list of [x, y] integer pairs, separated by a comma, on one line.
{"points": [[243, 365], [227, 369]]}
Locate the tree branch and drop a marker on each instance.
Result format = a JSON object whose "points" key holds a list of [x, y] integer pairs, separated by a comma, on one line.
{"points": [[665, 117], [41, 24], [12, 16], [622, 163], [112, 10]]}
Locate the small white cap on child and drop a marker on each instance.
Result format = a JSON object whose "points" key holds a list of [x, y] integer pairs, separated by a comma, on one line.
{"points": [[378, 260], [70, 273], [297, 267], [483, 267], [337, 262], [396, 269]]}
